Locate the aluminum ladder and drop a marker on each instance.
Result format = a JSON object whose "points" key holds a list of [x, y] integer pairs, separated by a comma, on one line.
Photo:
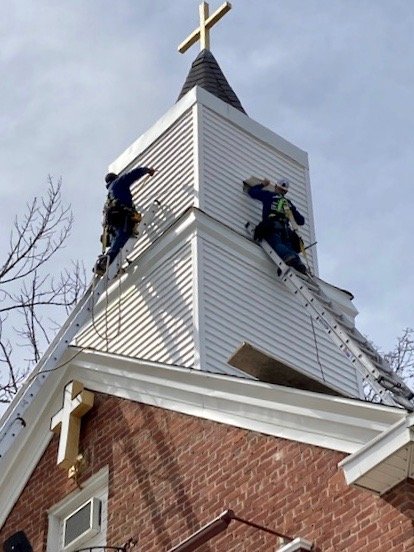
{"points": [[14, 416], [373, 368]]}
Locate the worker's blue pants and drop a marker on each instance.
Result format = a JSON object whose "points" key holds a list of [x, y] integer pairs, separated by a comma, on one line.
{"points": [[118, 240], [283, 248]]}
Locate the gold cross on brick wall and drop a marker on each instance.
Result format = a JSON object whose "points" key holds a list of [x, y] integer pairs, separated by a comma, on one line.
{"points": [[76, 402]]}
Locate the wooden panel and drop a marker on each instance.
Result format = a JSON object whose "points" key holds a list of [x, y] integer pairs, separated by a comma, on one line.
{"points": [[271, 370]]}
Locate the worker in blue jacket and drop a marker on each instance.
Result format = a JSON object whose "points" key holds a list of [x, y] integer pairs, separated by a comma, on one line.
{"points": [[120, 215], [275, 225]]}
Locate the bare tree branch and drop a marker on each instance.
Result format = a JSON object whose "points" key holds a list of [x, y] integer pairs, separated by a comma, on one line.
{"points": [[401, 358], [42, 232], [29, 293]]}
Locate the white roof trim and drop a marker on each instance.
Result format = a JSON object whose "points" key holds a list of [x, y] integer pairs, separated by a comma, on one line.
{"points": [[362, 464], [321, 420], [198, 95]]}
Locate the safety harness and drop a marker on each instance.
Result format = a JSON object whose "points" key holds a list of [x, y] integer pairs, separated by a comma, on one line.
{"points": [[279, 218], [279, 209], [117, 215]]}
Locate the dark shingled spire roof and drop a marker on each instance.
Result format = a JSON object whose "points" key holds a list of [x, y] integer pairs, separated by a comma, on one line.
{"points": [[205, 72]]}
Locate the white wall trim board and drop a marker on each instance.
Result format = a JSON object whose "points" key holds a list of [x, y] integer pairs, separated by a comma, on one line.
{"points": [[198, 298], [384, 461]]}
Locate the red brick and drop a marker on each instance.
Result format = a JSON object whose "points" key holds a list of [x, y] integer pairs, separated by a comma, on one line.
{"points": [[171, 473]]}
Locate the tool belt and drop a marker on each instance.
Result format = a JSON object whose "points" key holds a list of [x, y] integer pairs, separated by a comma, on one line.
{"points": [[272, 225], [116, 213], [281, 217]]}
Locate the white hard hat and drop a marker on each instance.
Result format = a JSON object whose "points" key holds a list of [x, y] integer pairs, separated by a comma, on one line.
{"points": [[283, 183]]}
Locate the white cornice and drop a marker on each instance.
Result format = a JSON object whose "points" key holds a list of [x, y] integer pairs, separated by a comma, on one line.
{"points": [[322, 420], [192, 221]]}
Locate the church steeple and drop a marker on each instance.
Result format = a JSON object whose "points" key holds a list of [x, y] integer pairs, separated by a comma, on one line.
{"points": [[205, 71]]}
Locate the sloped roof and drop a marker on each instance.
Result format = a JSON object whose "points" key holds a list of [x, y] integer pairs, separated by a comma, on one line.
{"points": [[206, 72]]}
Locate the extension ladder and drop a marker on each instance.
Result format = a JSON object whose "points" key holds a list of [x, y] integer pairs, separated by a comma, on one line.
{"points": [[373, 368], [15, 421]]}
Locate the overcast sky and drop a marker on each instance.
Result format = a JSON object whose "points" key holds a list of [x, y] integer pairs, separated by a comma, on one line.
{"points": [[82, 79]]}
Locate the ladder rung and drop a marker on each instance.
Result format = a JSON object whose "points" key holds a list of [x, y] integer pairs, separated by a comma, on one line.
{"points": [[356, 336], [379, 364], [405, 403], [391, 384], [376, 359], [371, 353]]}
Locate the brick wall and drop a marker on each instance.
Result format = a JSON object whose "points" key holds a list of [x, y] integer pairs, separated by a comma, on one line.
{"points": [[171, 474]]}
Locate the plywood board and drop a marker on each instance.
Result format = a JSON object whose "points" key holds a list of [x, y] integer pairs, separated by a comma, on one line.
{"points": [[271, 370]]}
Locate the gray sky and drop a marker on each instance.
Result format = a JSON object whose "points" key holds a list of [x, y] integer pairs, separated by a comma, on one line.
{"points": [[81, 80]]}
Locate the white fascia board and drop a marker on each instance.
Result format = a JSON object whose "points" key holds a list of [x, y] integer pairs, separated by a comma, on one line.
{"points": [[379, 450], [254, 128], [154, 132], [321, 420]]}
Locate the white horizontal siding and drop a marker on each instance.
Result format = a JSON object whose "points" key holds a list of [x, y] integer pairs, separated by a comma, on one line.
{"points": [[173, 183], [230, 155], [150, 317], [245, 302]]}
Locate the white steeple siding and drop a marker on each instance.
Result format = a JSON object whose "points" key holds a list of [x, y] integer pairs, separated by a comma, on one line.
{"points": [[231, 153], [203, 149], [199, 287]]}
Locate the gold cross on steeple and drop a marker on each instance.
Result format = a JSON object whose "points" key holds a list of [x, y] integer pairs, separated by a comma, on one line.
{"points": [[206, 22]]}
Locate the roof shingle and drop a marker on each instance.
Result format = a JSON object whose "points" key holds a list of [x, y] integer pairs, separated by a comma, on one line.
{"points": [[205, 72]]}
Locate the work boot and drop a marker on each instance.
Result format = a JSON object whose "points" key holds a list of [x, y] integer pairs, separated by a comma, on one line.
{"points": [[101, 265], [296, 263], [300, 267]]}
